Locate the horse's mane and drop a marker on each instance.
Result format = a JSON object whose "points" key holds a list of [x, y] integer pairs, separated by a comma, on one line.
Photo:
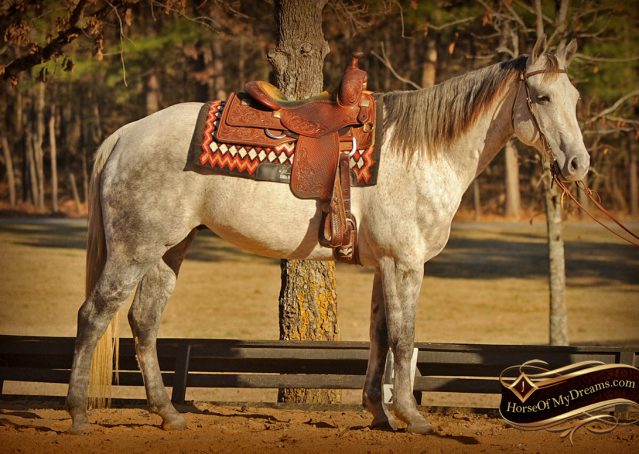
{"points": [[429, 118]]}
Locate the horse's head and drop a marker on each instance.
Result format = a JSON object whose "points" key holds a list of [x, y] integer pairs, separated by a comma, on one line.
{"points": [[544, 112]]}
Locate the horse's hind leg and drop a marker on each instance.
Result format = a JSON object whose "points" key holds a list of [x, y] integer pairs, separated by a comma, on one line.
{"points": [[372, 396], [401, 283], [118, 278], [144, 317]]}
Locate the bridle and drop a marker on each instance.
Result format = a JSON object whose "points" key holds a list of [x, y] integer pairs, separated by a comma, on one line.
{"points": [[523, 77], [554, 167]]}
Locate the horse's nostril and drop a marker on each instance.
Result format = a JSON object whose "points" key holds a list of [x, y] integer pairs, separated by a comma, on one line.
{"points": [[573, 164]]}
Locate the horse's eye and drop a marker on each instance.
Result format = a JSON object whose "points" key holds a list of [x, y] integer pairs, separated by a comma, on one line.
{"points": [[543, 99]]}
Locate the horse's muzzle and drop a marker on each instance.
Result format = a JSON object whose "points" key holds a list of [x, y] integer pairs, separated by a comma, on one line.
{"points": [[574, 168]]}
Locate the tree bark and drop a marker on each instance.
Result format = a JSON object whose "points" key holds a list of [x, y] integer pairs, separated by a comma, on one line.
{"points": [[11, 178], [30, 165], [53, 149], [558, 314], [219, 84], [37, 144], [477, 199], [241, 60], [298, 59], [429, 67], [308, 305], [634, 184], [74, 192], [152, 93], [513, 197], [583, 198], [21, 144], [308, 311]]}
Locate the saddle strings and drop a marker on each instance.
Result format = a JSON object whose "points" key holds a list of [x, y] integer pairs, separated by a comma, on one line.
{"points": [[555, 172]]}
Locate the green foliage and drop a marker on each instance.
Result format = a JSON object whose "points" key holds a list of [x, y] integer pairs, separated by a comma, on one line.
{"points": [[609, 80]]}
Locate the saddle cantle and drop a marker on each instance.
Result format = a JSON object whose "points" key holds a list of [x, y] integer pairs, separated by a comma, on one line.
{"points": [[325, 131]]}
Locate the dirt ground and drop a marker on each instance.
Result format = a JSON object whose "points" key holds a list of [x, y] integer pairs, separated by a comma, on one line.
{"points": [[231, 429], [488, 286]]}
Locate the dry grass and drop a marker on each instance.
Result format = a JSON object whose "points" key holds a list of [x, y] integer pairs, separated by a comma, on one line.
{"points": [[489, 285]]}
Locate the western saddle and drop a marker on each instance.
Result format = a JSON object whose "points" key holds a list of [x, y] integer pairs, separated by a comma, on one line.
{"points": [[326, 132]]}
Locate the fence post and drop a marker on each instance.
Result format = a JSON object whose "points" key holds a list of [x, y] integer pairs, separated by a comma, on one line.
{"points": [[181, 374]]}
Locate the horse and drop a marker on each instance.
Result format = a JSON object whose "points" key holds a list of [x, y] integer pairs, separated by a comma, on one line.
{"points": [[145, 210]]}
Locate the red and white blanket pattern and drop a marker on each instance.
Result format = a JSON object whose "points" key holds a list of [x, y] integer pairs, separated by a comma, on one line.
{"points": [[207, 155]]}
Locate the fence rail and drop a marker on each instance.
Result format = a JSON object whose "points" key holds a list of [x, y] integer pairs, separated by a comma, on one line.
{"points": [[221, 363]]}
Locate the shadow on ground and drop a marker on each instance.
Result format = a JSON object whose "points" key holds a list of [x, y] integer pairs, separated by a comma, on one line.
{"points": [[469, 258], [484, 252]]}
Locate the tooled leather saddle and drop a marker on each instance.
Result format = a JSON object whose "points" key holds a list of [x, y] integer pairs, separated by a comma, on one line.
{"points": [[326, 130]]}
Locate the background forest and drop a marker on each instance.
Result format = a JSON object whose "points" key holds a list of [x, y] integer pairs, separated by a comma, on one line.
{"points": [[75, 71]]}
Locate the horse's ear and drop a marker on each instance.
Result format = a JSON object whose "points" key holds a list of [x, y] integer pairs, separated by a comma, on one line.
{"points": [[539, 49], [570, 51]]}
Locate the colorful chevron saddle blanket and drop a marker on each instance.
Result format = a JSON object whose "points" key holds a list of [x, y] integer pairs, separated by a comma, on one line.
{"points": [[210, 155]]}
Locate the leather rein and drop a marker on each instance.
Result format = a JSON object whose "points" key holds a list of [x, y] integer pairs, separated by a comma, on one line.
{"points": [[556, 173]]}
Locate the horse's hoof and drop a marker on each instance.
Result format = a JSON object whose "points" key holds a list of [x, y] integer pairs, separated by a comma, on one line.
{"points": [[80, 428], [175, 422], [421, 427], [381, 423]]}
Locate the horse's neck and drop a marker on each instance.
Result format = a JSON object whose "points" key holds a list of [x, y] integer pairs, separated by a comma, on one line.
{"points": [[477, 147]]}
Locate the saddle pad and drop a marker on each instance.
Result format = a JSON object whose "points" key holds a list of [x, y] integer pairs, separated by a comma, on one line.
{"points": [[207, 155]]}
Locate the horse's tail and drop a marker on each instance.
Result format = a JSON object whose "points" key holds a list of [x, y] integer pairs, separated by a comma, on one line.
{"points": [[103, 357]]}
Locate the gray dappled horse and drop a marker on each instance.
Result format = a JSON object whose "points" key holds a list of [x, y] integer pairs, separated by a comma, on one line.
{"points": [[145, 210]]}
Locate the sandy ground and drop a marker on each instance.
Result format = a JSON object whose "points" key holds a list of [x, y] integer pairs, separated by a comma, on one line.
{"points": [[488, 286], [232, 429]]}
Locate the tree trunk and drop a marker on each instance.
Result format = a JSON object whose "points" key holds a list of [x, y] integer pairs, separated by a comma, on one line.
{"points": [[31, 165], [476, 199], [152, 93], [308, 311], [19, 145], [219, 84], [11, 178], [583, 198], [241, 60], [26, 168], [558, 329], [556, 269], [429, 67], [513, 197], [37, 144], [85, 176], [308, 305], [74, 192], [54, 161], [634, 185]]}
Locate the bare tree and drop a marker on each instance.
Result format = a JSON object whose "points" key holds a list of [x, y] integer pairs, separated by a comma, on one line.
{"points": [[8, 163], [53, 156], [558, 313]]}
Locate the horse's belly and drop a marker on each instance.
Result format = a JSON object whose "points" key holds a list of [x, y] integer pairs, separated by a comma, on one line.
{"points": [[264, 218]]}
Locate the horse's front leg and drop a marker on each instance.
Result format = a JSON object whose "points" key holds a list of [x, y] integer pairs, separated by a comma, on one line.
{"points": [[401, 282]]}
